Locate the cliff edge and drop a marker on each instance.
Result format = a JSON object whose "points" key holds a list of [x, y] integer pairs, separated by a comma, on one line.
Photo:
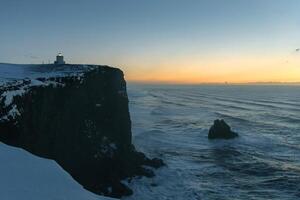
{"points": [[76, 115]]}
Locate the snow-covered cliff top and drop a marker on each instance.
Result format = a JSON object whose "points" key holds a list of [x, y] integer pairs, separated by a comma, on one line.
{"points": [[13, 72], [17, 79]]}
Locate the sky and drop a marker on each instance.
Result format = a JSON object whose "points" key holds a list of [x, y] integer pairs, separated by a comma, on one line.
{"points": [[161, 41]]}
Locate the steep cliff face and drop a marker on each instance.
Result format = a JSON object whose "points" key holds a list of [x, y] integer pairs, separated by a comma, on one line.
{"points": [[79, 117]]}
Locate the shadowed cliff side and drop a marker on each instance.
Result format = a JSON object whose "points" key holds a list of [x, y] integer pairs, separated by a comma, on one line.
{"points": [[82, 122]]}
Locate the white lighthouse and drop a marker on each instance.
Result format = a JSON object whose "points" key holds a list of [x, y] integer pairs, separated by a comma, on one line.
{"points": [[59, 59]]}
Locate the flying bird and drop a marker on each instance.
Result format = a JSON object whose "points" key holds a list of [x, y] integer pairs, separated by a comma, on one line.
{"points": [[297, 50]]}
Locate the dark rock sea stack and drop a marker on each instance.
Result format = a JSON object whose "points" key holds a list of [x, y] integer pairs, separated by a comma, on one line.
{"points": [[78, 117], [221, 130]]}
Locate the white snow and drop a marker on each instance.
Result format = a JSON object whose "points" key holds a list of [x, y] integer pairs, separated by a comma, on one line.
{"points": [[14, 111], [9, 95], [25, 176], [35, 82]]}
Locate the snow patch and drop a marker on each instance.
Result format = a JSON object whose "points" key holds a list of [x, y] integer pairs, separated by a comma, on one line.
{"points": [[25, 176], [13, 112], [9, 95], [35, 82]]}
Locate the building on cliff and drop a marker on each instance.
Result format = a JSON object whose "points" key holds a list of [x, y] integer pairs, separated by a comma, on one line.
{"points": [[59, 59]]}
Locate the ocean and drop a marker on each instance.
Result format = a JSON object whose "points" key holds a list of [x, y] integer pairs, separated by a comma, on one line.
{"points": [[172, 123]]}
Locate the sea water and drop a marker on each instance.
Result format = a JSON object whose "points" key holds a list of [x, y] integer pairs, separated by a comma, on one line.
{"points": [[172, 123]]}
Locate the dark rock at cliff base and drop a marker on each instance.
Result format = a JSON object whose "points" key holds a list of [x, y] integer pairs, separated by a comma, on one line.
{"points": [[221, 130], [76, 115], [155, 162]]}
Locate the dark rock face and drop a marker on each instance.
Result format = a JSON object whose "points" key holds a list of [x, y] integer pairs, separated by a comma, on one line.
{"points": [[221, 130], [84, 125]]}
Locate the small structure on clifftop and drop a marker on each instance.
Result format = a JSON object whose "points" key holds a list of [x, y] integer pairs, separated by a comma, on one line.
{"points": [[221, 130], [59, 59]]}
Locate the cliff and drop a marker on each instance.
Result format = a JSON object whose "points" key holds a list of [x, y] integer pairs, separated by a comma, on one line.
{"points": [[76, 115]]}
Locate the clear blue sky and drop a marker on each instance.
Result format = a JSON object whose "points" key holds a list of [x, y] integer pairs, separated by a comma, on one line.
{"points": [[145, 35]]}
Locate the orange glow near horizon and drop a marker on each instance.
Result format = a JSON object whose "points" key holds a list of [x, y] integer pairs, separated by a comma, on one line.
{"points": [[232, 69]]}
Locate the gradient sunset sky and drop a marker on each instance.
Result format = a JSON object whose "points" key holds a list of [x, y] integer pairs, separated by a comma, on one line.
{"points": [[186, 41]]}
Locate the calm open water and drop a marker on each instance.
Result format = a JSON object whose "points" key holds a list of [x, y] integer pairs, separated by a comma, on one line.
{"points": [[172, 122]]}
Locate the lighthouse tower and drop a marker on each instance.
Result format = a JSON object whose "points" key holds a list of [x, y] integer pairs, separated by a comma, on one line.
{"points": [[59, 59]]}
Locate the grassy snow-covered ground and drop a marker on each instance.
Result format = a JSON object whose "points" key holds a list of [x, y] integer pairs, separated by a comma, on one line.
{"points": [[25, 176]]}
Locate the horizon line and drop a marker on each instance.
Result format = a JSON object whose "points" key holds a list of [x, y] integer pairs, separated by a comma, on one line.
{"points": [[215, 83]]}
